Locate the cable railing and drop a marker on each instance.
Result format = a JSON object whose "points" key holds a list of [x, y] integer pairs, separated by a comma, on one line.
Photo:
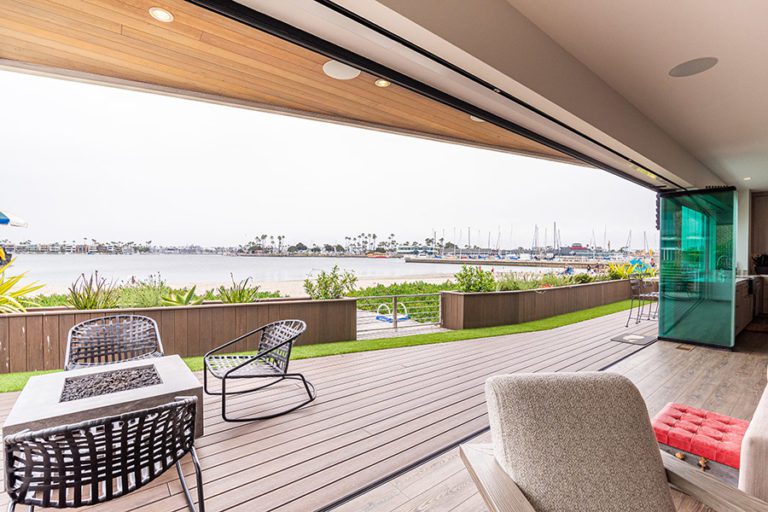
{"points": [[385, 312]]}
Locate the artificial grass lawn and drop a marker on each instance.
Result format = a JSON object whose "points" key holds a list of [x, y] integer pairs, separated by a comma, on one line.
{"points": [[16, 381], [349, 347]]}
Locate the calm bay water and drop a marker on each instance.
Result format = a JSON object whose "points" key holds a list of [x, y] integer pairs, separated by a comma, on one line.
{"points": [[59, 271]]}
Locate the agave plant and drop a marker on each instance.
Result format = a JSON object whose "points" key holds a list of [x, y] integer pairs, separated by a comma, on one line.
{"points": [[12, 294], [93, 292], [182, 298], [239, 293]]}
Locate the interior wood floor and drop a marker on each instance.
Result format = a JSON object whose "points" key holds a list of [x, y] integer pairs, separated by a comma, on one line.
{"points": [[376, 413], [727, 382]]}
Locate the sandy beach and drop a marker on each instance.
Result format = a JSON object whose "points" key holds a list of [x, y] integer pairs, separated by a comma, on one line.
{"points": [[296, 288]]}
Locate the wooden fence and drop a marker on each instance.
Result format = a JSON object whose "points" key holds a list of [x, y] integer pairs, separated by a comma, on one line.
{"points": [[471, 310], [37, 340]]}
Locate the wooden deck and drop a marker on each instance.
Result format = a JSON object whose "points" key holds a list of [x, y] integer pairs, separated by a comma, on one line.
{"points": [[727, 382], [379, 412]]}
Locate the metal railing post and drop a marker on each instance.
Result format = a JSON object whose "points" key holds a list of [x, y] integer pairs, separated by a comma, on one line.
{"points": [[394, 312]]}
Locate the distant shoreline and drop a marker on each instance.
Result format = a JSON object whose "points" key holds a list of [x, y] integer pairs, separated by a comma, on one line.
{"points": [[211, 271], [290, 288]]}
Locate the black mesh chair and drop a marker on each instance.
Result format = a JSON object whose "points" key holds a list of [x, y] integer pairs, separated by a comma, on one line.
{"points": [[112, 339], [270, 362], [99, 460]]}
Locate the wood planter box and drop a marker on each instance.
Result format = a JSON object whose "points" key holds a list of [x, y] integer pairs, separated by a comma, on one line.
{"points": [[472, 310], [37, 339]]}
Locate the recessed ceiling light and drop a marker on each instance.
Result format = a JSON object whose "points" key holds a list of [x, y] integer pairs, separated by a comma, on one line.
{"points": [[748, 178], [477, 119], [340, 71], [382, 83], [161, 14], [693, 67]]}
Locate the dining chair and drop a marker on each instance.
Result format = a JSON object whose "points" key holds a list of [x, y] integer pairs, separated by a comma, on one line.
{"points": [[112, 339], [100, 460]]}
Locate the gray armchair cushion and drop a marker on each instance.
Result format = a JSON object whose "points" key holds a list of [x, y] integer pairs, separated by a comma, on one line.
{"points": [[577, 442], [753, 476]]}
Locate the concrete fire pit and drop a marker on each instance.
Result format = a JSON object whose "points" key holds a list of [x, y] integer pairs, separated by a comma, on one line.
{"points": [[70, 397]]}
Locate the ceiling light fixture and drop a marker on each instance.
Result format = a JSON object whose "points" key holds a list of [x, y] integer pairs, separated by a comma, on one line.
{"points": [[161, 14], [382, 83], [340, 71], [692, 67], [748, 178], [477, 119]]}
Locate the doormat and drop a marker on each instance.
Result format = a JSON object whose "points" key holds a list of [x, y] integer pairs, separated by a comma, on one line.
{"points": [[635, 339]]}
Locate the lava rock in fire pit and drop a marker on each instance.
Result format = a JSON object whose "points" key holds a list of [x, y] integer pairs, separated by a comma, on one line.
{"points": [[97, 384]]}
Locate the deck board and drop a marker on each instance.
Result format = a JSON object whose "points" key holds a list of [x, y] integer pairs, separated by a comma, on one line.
{"points": [[378, 412], [724, 381]]}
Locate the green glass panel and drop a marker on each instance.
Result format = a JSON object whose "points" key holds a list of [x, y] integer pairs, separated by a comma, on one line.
{"points": [[697, 280]]}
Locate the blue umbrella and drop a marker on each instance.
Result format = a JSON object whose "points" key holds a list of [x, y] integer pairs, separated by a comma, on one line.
{"points": [[8, 219]]}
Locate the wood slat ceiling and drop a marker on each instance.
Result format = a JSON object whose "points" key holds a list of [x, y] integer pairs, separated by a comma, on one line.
{"points": [[202, 52]]}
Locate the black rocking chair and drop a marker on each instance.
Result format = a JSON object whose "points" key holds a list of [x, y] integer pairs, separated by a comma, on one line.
{"points": [[112, 339], [270, 361], [99, 460]]}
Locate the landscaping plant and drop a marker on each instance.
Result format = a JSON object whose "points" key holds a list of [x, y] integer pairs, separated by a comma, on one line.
{"points": [[93, 292], [49, 301], [240, 292], [555, 280], [182, 298], [627, 270], [144, 293], [584, 278], [472, 278], [330, 285], [12, 294], [511, 281]]}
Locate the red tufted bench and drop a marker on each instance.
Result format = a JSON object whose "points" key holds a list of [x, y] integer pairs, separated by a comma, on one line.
{"points": [[703, 433]]}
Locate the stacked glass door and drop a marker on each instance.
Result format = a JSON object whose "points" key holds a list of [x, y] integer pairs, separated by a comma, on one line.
{"points": [[697, 280]]}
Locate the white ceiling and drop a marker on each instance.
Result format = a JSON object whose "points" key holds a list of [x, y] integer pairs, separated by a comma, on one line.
{"points": [[721, 115]]}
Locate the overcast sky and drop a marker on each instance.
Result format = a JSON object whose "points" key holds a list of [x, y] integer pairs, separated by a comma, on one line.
{"points": [[80, 160]]}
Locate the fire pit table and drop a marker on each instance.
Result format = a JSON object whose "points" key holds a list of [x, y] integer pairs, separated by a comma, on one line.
{"points": [[78, 395]]}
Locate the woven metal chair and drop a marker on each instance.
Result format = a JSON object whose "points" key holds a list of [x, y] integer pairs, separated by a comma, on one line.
{"points": [[112, 339], [99, 460], [270, 362]]}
